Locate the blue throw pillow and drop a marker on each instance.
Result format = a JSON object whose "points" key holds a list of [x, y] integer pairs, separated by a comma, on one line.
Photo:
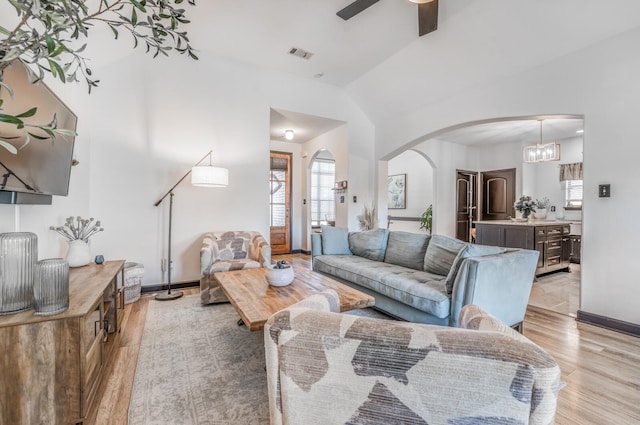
{"points": [[335, 241]]}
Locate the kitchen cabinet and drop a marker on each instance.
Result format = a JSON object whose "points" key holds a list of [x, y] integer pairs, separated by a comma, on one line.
{"points": [[550, 239], [576, 246]]}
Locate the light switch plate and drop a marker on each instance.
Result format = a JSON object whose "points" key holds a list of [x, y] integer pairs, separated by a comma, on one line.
{"points": [[604, 191]]}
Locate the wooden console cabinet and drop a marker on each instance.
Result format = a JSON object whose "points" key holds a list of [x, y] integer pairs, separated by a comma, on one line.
{"points": [[52, 365], [551, 240]]}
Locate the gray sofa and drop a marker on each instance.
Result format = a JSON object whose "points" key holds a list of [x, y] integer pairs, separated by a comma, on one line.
{"points": [[427, 279]]}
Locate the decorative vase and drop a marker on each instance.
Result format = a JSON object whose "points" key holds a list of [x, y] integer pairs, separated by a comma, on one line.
{"points": [[18, 256], [526, 214], [51, 287], [79, 253], [541, 213], [280, 277]]}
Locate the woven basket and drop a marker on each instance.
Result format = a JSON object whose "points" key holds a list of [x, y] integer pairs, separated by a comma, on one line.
{"points": [[133, 273]]}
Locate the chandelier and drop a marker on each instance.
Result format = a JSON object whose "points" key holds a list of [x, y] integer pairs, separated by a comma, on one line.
{"points": [[541, 152]]}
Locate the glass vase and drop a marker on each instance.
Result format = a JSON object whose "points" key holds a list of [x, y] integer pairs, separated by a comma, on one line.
{"points": [[18, 256], [79, 253], [51, 287]]}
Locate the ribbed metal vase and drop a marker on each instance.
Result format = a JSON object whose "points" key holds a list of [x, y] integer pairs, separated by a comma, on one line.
{"points": [[51, 287], [18, 257]]}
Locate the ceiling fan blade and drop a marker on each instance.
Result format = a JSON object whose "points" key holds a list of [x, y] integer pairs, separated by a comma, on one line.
{"points": [[427, 17], [354, 8]]}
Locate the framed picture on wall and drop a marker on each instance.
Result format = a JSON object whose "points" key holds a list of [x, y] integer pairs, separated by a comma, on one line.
{"points": [[397, 197]]}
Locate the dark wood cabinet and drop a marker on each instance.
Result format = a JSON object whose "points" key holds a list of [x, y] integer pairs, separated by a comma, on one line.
{"points": [[575, 242], [552, 241]]}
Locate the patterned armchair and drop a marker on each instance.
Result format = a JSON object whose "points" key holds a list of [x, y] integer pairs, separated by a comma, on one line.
{"points": [[228, 251], [329, 368]]}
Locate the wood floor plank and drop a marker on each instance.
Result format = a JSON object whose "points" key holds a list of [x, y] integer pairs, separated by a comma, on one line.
{"points": [[599, 366]]}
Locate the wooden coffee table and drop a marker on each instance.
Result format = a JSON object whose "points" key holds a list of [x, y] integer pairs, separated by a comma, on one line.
{"points": [[255, 300]]}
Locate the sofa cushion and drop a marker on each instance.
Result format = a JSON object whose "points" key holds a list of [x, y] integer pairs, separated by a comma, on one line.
{"points": [[441, 254], [407, 250], [416, 288], [335, 240], [370, 244], [470, 251], [230, 265]]}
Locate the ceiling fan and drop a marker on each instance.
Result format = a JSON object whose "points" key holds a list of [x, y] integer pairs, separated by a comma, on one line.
{"points": [[427, 13]]}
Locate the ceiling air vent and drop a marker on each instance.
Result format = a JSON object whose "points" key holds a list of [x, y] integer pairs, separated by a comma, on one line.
{"points": [[300, 53]]}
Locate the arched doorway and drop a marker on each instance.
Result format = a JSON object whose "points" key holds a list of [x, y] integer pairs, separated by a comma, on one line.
{"points": [[411, 189]]}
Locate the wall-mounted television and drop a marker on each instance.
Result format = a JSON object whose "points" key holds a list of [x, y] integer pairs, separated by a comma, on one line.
{"points": [[41, 168]]}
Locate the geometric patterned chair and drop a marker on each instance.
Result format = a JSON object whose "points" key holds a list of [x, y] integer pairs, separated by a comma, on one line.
{"points": [[331, 368], [228, 251]]}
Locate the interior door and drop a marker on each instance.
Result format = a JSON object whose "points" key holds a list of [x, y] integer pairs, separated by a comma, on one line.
{"points": [[280, 202], [498, 194], [466, 204]]}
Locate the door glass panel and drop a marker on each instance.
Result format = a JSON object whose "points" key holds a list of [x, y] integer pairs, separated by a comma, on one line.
{"points": [[278, 198]]}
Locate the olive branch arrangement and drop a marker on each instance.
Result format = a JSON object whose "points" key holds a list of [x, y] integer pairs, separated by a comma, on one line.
{"points": [[48, 35], [78, 228]]}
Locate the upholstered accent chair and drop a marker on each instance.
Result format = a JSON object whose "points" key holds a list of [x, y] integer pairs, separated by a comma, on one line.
{"points": [[228, 251], [324, 367]]}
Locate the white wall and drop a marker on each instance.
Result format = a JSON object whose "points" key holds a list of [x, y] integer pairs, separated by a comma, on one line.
{"points": [[600, 83], [446, 158], [419, 188], [148, 123]]}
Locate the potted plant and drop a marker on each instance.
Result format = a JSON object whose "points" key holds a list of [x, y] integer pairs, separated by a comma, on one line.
{"points": [[426, 219], [526, 205], [541, 207]]}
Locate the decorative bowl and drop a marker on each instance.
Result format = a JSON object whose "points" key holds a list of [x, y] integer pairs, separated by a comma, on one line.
{"points": [[280, 277]]}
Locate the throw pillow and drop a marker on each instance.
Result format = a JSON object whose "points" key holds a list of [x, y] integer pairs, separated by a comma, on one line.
{"points": [[471, 251], [441, 254], [335, 241], [370, 244], [406, 249]]}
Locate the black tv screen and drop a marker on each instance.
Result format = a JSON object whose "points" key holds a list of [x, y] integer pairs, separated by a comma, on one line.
{"points": [[40, 166]]}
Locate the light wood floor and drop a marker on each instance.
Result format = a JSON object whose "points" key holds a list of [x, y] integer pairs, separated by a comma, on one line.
{"points": [[559, 291], [600, 367]]}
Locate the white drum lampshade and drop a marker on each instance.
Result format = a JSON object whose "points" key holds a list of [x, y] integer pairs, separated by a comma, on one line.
{"points": [[208, 176]]}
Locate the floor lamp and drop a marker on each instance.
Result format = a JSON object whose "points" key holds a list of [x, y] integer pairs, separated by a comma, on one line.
{"points": [[203, 176]]}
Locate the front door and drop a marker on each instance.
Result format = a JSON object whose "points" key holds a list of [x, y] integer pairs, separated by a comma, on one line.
{"points": [[280, 202], [466, 202], [498, 194]]}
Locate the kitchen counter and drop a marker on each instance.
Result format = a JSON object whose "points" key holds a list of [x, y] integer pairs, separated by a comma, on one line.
{"points": [[575, 225], [550, 238], [528, 223]]}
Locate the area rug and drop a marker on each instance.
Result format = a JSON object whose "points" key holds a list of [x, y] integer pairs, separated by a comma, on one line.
{"points": [[198, 367]]}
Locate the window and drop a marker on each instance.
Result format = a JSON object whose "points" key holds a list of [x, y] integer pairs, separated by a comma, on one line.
{"points": [[323, 205], [573, 194]]}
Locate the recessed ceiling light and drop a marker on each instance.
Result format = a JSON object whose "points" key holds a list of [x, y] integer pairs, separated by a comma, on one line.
{"points": [[580, 131], [288, 134]]}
